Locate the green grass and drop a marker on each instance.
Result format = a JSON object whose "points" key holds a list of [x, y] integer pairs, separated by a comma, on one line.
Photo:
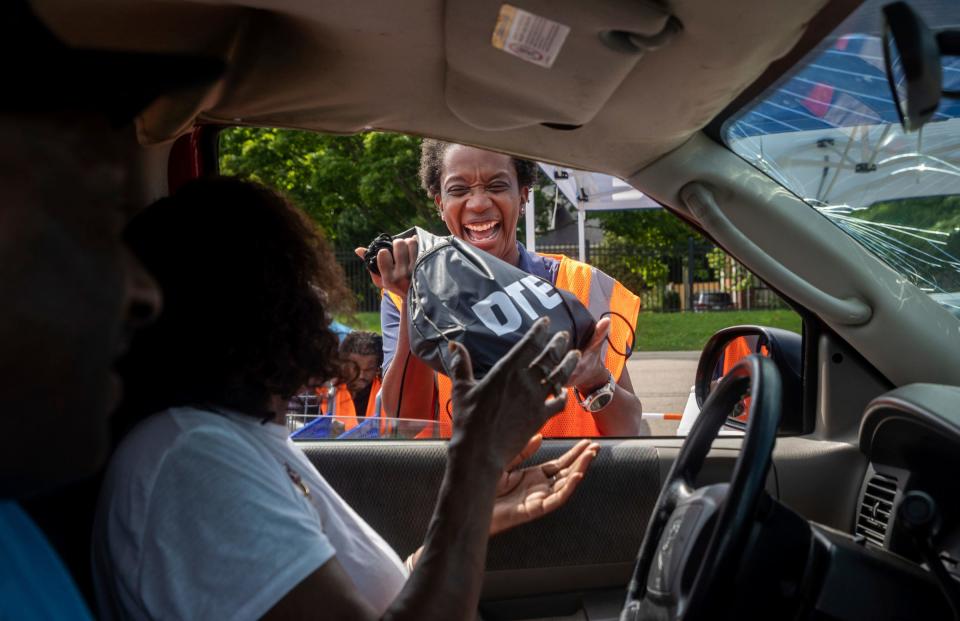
{"points": [[690, 331], [662, 331], [362, 321]]}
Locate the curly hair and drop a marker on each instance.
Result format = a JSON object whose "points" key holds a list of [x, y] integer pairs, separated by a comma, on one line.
{"points": [[248, 287], [431, 166], [363, 343]]}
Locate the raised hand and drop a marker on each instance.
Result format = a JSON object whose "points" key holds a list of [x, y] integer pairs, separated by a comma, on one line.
{"points": [[591, 371], [521, 392], [397, 269]]}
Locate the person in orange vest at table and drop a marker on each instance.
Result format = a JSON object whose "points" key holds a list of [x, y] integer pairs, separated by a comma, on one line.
{"points": [[358, 396], [480, 195]]}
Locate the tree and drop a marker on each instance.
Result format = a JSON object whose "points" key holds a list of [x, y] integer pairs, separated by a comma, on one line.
{"points": [[640, 244], [732, 275], [919, 237], [648, 229], [354, 187]]}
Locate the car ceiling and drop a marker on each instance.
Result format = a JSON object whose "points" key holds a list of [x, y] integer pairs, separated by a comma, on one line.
{"points": [[427, 67]]}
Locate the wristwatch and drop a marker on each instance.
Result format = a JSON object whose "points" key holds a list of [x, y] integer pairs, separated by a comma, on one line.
{"points": [[599, 398]]}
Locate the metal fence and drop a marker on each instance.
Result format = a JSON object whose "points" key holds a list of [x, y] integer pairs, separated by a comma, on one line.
{"points": [[666, 279], [358, 279]]}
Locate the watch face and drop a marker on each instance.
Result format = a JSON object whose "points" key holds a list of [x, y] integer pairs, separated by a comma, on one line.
{"points": [[601, 401]]}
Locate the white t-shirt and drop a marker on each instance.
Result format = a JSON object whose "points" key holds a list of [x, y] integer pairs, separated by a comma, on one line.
{"points": [[208, 515]]}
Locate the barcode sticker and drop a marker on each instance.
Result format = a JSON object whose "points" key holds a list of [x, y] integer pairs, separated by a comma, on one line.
{"points": [[533, 38]]}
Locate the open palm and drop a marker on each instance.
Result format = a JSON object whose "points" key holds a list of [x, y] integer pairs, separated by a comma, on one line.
{"points": [[525, 494]]}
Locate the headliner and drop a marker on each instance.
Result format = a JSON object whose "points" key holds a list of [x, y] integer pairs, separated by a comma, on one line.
{"points": [[427, 67]]}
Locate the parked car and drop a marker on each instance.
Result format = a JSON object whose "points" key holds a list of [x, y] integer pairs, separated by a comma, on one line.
{"points": [[767, 125], [712, 300]]}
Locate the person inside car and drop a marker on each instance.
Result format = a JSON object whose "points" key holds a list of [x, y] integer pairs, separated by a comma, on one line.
{"points": [[480, 196], [72, 297], [209, 511], [72, 293]]}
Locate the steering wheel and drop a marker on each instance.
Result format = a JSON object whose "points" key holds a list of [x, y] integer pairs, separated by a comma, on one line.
{"points": [[695, 536]]}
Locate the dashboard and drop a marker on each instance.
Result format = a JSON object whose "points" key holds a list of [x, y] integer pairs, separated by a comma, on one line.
{"points": [[911, 437]]}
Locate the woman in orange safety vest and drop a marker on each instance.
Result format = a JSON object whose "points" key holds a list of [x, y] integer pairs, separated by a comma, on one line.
{"points": [[479, 195]]}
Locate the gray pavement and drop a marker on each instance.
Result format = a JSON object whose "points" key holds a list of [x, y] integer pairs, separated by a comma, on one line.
{"points": [[663, 380]]}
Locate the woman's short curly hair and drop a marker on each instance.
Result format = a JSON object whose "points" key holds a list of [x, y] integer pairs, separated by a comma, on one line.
{"points": [[248, 288], [431, 166]]}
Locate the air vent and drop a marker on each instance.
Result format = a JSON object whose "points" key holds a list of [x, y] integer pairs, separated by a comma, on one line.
{"points": [[876, 506]]}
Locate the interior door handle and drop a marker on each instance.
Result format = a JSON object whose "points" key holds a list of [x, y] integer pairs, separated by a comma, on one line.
{"points": [[850, 311]]}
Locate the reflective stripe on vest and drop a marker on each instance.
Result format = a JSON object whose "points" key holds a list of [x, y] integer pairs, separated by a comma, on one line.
{"points": [[600, 294], [603, 296]]}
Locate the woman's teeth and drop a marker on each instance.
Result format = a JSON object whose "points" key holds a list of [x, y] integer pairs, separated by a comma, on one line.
{"points": [[483, 231]]}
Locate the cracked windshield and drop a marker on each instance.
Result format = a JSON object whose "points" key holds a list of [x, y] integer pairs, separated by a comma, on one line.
{"points": [[830, 133]]}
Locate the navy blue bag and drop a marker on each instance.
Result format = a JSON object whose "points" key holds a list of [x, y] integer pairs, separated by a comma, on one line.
{"points": [[460, 293]]}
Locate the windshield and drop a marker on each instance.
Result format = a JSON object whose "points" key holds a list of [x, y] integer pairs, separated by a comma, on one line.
{"points": [[829, 132]]}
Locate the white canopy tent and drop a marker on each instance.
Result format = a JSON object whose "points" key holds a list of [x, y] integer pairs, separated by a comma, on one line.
{"points": [[855, 167], [587, 191]]}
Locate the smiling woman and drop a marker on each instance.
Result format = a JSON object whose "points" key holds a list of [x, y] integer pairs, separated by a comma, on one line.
{"points": [[479, 195]]}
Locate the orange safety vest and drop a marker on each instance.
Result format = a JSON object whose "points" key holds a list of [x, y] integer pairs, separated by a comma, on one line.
{"points": [[599, 293], [341, 405], [735, 351]]}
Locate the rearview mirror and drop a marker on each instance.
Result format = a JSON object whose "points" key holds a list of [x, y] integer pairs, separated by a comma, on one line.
{"points": [[912, 60], [728, 346]]}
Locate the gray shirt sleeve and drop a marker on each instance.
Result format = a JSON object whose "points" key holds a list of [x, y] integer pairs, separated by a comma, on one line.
{"points": [[390, 327]]}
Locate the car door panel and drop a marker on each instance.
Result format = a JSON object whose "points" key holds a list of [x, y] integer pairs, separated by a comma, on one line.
{"points": [[578, 559], [589, 543], [394, 486]]}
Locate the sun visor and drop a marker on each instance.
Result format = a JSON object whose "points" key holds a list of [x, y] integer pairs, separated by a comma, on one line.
{"points": [[533, 62], [159, 28]]}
